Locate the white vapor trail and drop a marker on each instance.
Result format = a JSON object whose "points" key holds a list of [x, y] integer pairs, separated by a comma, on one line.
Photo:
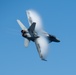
{"points": [[33, 16]]}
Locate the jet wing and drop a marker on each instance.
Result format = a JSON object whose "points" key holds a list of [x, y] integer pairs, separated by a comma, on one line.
{"points": [[34, 17], [22, 26], [39, 49]]}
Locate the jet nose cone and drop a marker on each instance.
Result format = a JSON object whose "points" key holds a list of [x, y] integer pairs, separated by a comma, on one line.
{"points": [[57, 40]]}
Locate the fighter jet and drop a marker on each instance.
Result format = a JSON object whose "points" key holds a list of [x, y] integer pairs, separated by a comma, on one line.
{"points": [[31, 34]]}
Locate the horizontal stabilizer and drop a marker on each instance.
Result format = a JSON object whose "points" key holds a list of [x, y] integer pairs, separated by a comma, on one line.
{"points": [[21, 25], [26, 42]]}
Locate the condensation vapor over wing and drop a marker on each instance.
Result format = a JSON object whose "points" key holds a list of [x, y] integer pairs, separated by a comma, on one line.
{"points": [[43, 45], [33, 16]]}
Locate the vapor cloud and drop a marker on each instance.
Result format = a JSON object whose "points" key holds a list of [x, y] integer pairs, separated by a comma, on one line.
{"points": [[35, 17]]}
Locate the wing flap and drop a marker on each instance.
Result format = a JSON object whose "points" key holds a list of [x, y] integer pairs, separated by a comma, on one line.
{"points": [[37, 46]]}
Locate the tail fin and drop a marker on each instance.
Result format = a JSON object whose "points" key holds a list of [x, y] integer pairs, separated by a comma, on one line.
{"points": [[32, 27]]}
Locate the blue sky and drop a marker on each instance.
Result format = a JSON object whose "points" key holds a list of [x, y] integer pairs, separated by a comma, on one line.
{"points": [[59, 19]]}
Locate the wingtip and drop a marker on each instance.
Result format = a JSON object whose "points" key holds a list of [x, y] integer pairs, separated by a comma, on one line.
{"points": [[42, 58]]}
